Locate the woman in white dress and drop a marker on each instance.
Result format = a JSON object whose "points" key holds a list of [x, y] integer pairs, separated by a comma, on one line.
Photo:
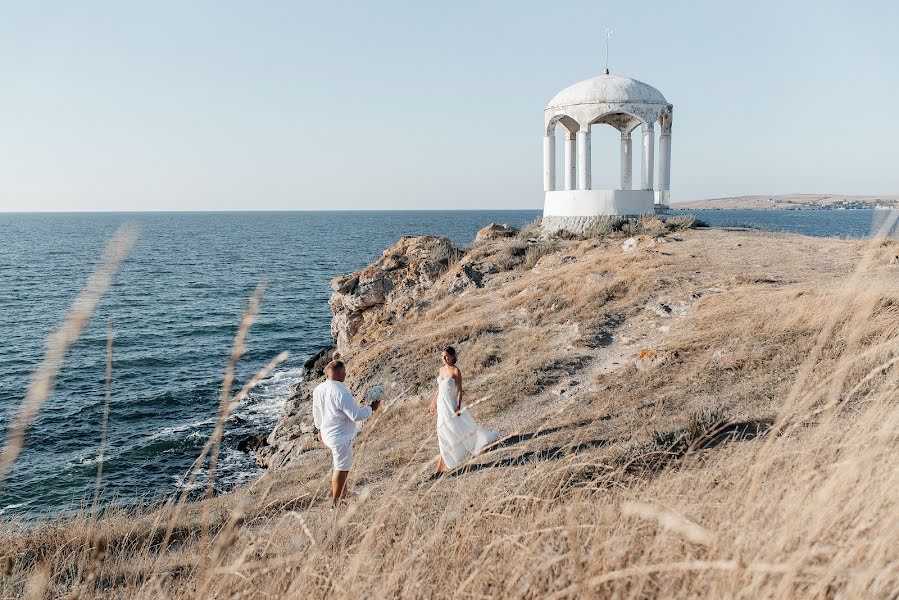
{"points": [[458, 435]]}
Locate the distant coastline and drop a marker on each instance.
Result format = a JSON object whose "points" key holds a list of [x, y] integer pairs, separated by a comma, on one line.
{"points": [[794, 202]]}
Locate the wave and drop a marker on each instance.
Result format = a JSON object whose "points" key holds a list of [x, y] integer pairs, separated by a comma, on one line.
{"points": [[192, 428], [10, 508], [264, 404], [234, 468]]}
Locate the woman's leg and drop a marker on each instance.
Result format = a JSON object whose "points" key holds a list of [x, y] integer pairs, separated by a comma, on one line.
{"points": [[441, 466]]}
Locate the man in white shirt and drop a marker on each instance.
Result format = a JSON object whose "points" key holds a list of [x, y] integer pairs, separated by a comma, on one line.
{"points": [[335, 413]]}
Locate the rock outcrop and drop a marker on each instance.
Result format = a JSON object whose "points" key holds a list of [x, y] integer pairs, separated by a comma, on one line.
{"points": [[389, 288], [495, 231]]}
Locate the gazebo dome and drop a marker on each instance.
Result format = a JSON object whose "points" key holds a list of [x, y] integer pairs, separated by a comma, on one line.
{"points": [[607, 89]]}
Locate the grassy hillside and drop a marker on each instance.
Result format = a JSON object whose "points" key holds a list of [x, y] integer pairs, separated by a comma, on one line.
{"points": [[792, 202], [685, 413]]}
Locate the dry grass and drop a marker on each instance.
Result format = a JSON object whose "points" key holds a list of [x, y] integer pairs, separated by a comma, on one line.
{"points": [[749, 452], [535, 252], [645, 225], [531, 230]]}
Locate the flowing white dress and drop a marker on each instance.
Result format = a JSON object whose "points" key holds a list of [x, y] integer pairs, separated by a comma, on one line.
{"points": [[458, 436]]}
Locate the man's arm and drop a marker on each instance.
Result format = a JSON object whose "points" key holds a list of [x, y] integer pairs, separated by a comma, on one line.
{"points": [[353, 410], [317, 415], [316, 409]]}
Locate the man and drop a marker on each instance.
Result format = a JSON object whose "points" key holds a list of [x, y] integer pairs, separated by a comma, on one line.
{"points": [[335, 413]]}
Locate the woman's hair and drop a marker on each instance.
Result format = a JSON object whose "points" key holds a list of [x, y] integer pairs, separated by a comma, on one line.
{"points": [[452, 353]]}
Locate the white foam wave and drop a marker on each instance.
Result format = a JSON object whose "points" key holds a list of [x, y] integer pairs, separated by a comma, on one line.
{"points": [[264, 404], [260, 410], [234, 468], [92, 458], [174, 430], [12, 507]]}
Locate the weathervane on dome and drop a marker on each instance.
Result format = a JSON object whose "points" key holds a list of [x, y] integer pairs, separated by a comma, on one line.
{"points": [[608, 35]]}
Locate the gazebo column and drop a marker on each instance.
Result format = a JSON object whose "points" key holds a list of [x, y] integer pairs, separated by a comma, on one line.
{"points": [[626, 160], [665, 161], [549, 162], [583, 159], [570, 164], [647, 163]]}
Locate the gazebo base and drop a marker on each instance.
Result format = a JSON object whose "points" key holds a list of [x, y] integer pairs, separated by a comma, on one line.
{"points": [[576, 225], [591, 203], [578, 210]]}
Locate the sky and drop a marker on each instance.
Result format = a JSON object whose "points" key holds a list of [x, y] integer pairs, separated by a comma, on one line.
{"points": [[226, 105]]}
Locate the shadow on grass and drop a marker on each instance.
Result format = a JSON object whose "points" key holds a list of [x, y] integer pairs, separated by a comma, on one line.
{"points": [[523, 437], [552, 453], [733, 432]]}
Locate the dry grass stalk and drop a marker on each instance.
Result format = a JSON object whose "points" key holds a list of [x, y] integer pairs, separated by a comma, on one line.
{"points": [[226, 405], [104, 428], [237, 351], [59, 342], [93, 551], [669, 520]]}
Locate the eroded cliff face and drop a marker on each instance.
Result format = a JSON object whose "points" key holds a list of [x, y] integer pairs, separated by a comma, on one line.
{"points": [[383, 292]]}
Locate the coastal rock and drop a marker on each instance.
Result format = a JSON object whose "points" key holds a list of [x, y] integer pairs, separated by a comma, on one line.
{"points": [[629, 245], [387, 289], [465, 278], [344, 284], [314, 367], [294, 432], [495, 231], [344, 325], [252, 443]]}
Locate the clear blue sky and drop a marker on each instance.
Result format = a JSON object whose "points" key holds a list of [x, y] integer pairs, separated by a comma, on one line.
{"points": [[221, 105]]}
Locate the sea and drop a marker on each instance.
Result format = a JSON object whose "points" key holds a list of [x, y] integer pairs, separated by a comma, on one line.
{"points": [[174, 308]]}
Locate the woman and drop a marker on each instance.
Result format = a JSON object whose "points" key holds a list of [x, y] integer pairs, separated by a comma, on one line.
{"points": [[458, 435]]}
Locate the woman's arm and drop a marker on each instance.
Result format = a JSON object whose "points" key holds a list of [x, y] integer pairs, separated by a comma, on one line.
{"points": [[433, 408], [457, 375]]}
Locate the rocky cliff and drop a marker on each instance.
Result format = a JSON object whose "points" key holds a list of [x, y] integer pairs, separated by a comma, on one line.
{"points": [[383, 292]]}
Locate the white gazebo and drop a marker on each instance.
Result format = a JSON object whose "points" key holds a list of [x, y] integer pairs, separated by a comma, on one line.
{"points": [[625, 104]]}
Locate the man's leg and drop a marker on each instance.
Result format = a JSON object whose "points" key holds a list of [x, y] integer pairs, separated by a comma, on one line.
{"points": [[338, 485], [343, 459]]}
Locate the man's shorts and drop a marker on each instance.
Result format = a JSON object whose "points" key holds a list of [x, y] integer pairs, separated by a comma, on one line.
{"points": [[343, 456]]}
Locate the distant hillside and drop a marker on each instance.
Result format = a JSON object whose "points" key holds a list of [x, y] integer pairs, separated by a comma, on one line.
{"points": [[794, 202]]}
